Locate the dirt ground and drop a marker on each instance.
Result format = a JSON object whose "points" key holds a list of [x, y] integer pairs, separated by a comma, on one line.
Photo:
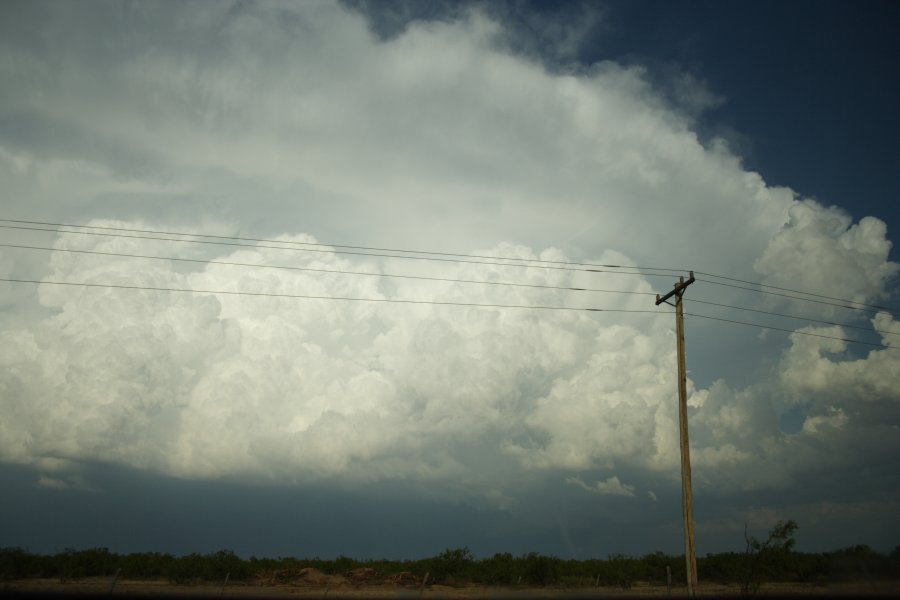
{"points": [[101, 586]]}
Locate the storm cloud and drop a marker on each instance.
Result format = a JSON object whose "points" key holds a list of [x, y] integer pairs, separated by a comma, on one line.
{"points": [[299, 123]]}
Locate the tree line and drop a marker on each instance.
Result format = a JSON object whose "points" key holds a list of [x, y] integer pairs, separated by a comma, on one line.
{"points": [[769, 561]]}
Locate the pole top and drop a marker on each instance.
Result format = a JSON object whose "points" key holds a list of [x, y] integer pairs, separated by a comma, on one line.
{"points": [[677, 289]]}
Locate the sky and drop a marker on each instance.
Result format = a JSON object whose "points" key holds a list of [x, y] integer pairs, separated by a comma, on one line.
{"points": [[281, 388]]}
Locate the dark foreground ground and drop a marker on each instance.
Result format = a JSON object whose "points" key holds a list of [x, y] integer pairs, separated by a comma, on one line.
{"points": [[92, 587]]}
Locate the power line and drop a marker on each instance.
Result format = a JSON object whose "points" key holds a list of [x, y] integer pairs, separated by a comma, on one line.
{"points": [[777, 314], [311, 297], [829, 337], [636, 270], [319, 270], [784, 289], [425, 278], [323, 251], [862, 307], [427, 302], [444, 257], [764, 287]]}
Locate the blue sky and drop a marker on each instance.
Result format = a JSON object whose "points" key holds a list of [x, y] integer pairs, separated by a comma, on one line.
{"points": [[754, 141]]}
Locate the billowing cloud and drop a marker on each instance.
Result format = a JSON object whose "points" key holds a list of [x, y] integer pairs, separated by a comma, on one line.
{"points": [[822, 249], [206, 383]]}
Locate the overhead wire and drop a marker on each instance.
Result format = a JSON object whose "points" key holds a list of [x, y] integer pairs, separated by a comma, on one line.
{"points": [[356, 250], [457, 257], [451, 254], [784, 289], [793, 331], [869, 308], [330, 248], [446, 257], [315, 297], [426, 278], [321, 270], [789, 316], [433, 302]]}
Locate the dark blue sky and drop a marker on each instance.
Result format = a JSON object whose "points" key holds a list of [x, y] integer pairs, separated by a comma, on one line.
{"points": [[130, 510]]}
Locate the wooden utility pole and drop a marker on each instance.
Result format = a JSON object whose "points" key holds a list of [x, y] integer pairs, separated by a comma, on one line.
{"points": [[687, 503]]}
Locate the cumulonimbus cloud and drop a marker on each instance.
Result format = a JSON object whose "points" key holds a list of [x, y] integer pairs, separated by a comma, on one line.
{"points": [[296, 120]]}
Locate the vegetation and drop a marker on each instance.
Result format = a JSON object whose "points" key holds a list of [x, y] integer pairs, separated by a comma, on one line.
{"points": [[771, 560]]}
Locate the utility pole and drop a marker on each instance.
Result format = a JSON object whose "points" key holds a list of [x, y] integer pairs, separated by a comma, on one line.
{"points": [[687, 503]]}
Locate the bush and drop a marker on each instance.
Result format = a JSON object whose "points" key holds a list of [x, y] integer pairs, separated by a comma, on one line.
{"points": [[451, 566], [540, 570], [186, 569], [767, 560], [623, 571], [17, 563], [501, 569], [149, 565]]}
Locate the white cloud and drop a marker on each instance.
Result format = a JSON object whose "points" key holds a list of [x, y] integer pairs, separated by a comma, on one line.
{"points": [[610, 487], [206, 384], [821, 249]]}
